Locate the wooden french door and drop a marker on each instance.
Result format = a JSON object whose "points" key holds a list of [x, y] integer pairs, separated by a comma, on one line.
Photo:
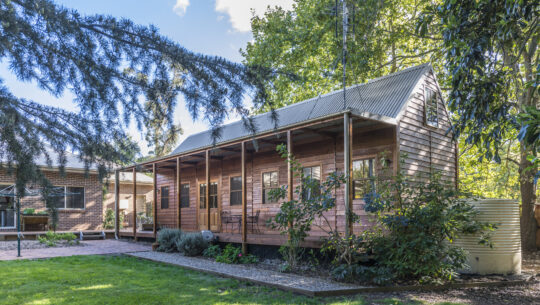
{"points": [[214, 207]]}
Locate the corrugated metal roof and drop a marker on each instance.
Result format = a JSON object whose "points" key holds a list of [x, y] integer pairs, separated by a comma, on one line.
{"points": [[380, 99]]}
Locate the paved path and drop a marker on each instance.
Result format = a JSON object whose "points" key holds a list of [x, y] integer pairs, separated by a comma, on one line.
{"points": [[92, 247], [301, 284]]}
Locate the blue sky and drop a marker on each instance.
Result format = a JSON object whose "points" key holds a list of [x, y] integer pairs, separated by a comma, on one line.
{"points": [[215, 27]]}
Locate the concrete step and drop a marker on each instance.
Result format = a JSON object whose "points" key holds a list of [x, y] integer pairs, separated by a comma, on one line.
{"points": [[91, 235]]}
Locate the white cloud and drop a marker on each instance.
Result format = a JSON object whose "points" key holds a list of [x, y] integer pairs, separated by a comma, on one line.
{"points": [[239, 11], [180, 7]]}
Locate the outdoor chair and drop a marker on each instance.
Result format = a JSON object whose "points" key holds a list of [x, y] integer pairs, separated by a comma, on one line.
{"points": [[227, 218], [254, 221]]}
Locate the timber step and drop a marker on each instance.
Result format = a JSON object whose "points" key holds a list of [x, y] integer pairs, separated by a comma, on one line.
{"points": [[91, 235]]}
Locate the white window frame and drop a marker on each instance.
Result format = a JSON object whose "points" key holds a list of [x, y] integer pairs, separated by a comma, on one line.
{"points": [[436, 95], [65, 198], [14, 215]]}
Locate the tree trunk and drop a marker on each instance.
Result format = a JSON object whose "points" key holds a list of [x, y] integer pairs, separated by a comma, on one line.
{"points": [[528, 199]]}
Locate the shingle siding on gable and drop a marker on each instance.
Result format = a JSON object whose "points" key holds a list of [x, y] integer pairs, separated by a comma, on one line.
{"points": [[426, 147]]}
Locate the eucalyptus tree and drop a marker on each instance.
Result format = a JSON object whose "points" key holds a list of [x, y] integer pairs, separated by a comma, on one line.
{"points": [[120, 73], [493, 60], [307, 41]]}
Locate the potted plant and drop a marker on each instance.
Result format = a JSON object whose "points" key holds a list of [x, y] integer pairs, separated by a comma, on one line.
{"points": [[147, 222], [34, 220]]}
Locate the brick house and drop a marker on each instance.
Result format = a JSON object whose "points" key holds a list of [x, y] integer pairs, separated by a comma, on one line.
{"points": [[83, 206]]}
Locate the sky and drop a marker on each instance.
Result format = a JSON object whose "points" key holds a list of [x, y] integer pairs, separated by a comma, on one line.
{"points": [[213, 27]]}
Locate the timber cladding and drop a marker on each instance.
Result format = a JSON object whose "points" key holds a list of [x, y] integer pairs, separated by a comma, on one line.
{"points": [[428, 148], [324, 152]]}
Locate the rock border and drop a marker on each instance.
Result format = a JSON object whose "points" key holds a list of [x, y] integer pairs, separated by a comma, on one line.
{"points": [[339, 291]]}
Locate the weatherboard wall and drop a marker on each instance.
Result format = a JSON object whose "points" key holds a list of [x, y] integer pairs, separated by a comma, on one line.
{"points": [[325, 152]]}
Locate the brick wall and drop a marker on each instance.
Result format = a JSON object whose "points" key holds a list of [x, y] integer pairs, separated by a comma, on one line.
{"points": [[89, 218]]}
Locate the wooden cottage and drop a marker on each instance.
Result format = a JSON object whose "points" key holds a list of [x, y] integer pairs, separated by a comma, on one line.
{"points": [[224, 187]]}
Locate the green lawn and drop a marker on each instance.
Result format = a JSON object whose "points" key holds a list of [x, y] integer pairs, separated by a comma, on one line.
{"points": [[127, 280]]}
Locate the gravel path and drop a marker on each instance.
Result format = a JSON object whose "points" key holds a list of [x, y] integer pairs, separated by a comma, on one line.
{"points": [[246, 272]]}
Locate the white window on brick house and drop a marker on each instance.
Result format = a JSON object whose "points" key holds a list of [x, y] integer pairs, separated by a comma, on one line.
{"points": [[431, 111], [73, 198], [7, 211]]}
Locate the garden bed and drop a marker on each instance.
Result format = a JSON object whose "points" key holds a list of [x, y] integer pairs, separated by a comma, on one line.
{"points": [[34, 244], [317, 286]]}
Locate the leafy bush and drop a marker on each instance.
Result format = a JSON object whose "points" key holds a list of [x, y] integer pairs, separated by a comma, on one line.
{"points": [[51, 238], [192, 244], [212, 251], [295, 217], [29, 211], [168, 238], [108, 219], [417, 221], [234, 255], [355, 273]]}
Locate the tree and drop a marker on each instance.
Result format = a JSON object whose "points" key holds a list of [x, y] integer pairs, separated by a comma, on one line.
{"points": [[307, 42], [487, 178], [111, 66], [485, 53], [491, 50]]}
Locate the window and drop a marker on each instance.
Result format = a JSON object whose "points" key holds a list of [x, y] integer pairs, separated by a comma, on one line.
{"points": [[184, 195], [313, 173], [71, 198], [431, 108], [164, 197], [362, 175], [213, 195], [236, 190], [270, 182], [202, 195], [7, 210]]}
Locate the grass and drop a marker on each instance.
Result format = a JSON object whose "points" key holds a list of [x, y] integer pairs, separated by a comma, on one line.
{"points": [[127, 280]]}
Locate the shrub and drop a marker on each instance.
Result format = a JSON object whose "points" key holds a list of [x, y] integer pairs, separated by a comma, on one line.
{"points": [[51, 238], [108, 219], [355, 273], [234, 255], [213, 251], [295, 217], [167, 239], [192, 244], [29, 211], [417, 222]]}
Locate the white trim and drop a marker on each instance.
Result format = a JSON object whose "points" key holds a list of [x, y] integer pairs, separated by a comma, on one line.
{"points": [[14, 217], [65, 198], [426, 122]]}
